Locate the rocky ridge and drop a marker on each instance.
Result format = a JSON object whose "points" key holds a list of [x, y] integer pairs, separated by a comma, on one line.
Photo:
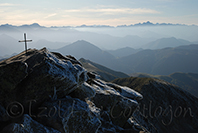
{"points": [[47, 92], [165, 108]]}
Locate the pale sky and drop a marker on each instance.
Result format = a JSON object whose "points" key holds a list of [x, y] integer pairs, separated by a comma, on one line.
{"points": [[97, 12]]}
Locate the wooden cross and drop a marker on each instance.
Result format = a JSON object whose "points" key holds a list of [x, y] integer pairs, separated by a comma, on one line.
{"points": [[25, 42]]}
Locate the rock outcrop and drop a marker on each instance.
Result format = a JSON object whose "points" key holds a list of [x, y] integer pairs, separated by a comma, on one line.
{"points": [[48, 92]]}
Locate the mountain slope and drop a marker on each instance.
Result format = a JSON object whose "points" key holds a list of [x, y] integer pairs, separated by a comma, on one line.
{"points": [[126, 51], [166, 42], [133, 41], [189, 47], [84, 49], [158, 62], [104, 72], [9, 45], [161, 62], [187, 81], [165, 107]]}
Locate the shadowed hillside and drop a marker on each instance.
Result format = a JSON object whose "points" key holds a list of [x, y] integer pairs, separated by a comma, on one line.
{"points": [[166, 42], [165, 107], [104, 72], [162, 62], [84, 49], [126, 51], [187, 81]]}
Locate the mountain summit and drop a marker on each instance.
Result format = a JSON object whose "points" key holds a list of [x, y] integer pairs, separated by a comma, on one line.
{"points": [[86, 50], [47, 92]]}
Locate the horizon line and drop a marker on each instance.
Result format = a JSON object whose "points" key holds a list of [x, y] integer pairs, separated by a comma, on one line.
{"points": [[147, 23]]}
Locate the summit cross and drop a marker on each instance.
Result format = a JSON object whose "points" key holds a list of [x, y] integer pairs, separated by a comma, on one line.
{"points": [[25, 40]]}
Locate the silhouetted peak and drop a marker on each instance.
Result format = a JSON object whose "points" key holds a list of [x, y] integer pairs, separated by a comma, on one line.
{"points": [[83, 43], [148, 22], [35, 25], [6, 25]]}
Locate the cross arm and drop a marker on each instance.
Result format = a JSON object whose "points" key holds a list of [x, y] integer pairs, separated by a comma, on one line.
{"points": [[25, 41]]}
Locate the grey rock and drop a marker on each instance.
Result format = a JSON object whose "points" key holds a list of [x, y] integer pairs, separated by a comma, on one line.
{"points": [[84, 91], [70, 115], [45, 72], [3, 115], [12, 72], [119, 108], [28, 125], [126, 91]]}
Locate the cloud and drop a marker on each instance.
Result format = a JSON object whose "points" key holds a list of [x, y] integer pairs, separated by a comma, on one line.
{"points": [[50, 15], [8, 4], [114, 11]]}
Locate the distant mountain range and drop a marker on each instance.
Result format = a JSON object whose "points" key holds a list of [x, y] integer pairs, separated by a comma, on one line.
{"points": [[159, 62], [34, 25], [166, 42], [158, 44], [37, 33], [143, 35], [163, 61], [148, 23], [126, 51], [132, 41], [125, 55]]}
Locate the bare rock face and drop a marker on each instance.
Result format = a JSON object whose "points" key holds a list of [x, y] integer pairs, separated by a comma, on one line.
{"points": [[28, 125], [39, 74], [48, 92], [70, 114], [118, 107], [11, 74]]}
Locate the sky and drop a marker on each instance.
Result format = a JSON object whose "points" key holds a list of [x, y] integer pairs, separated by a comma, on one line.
{"points": [[97, 12]]}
